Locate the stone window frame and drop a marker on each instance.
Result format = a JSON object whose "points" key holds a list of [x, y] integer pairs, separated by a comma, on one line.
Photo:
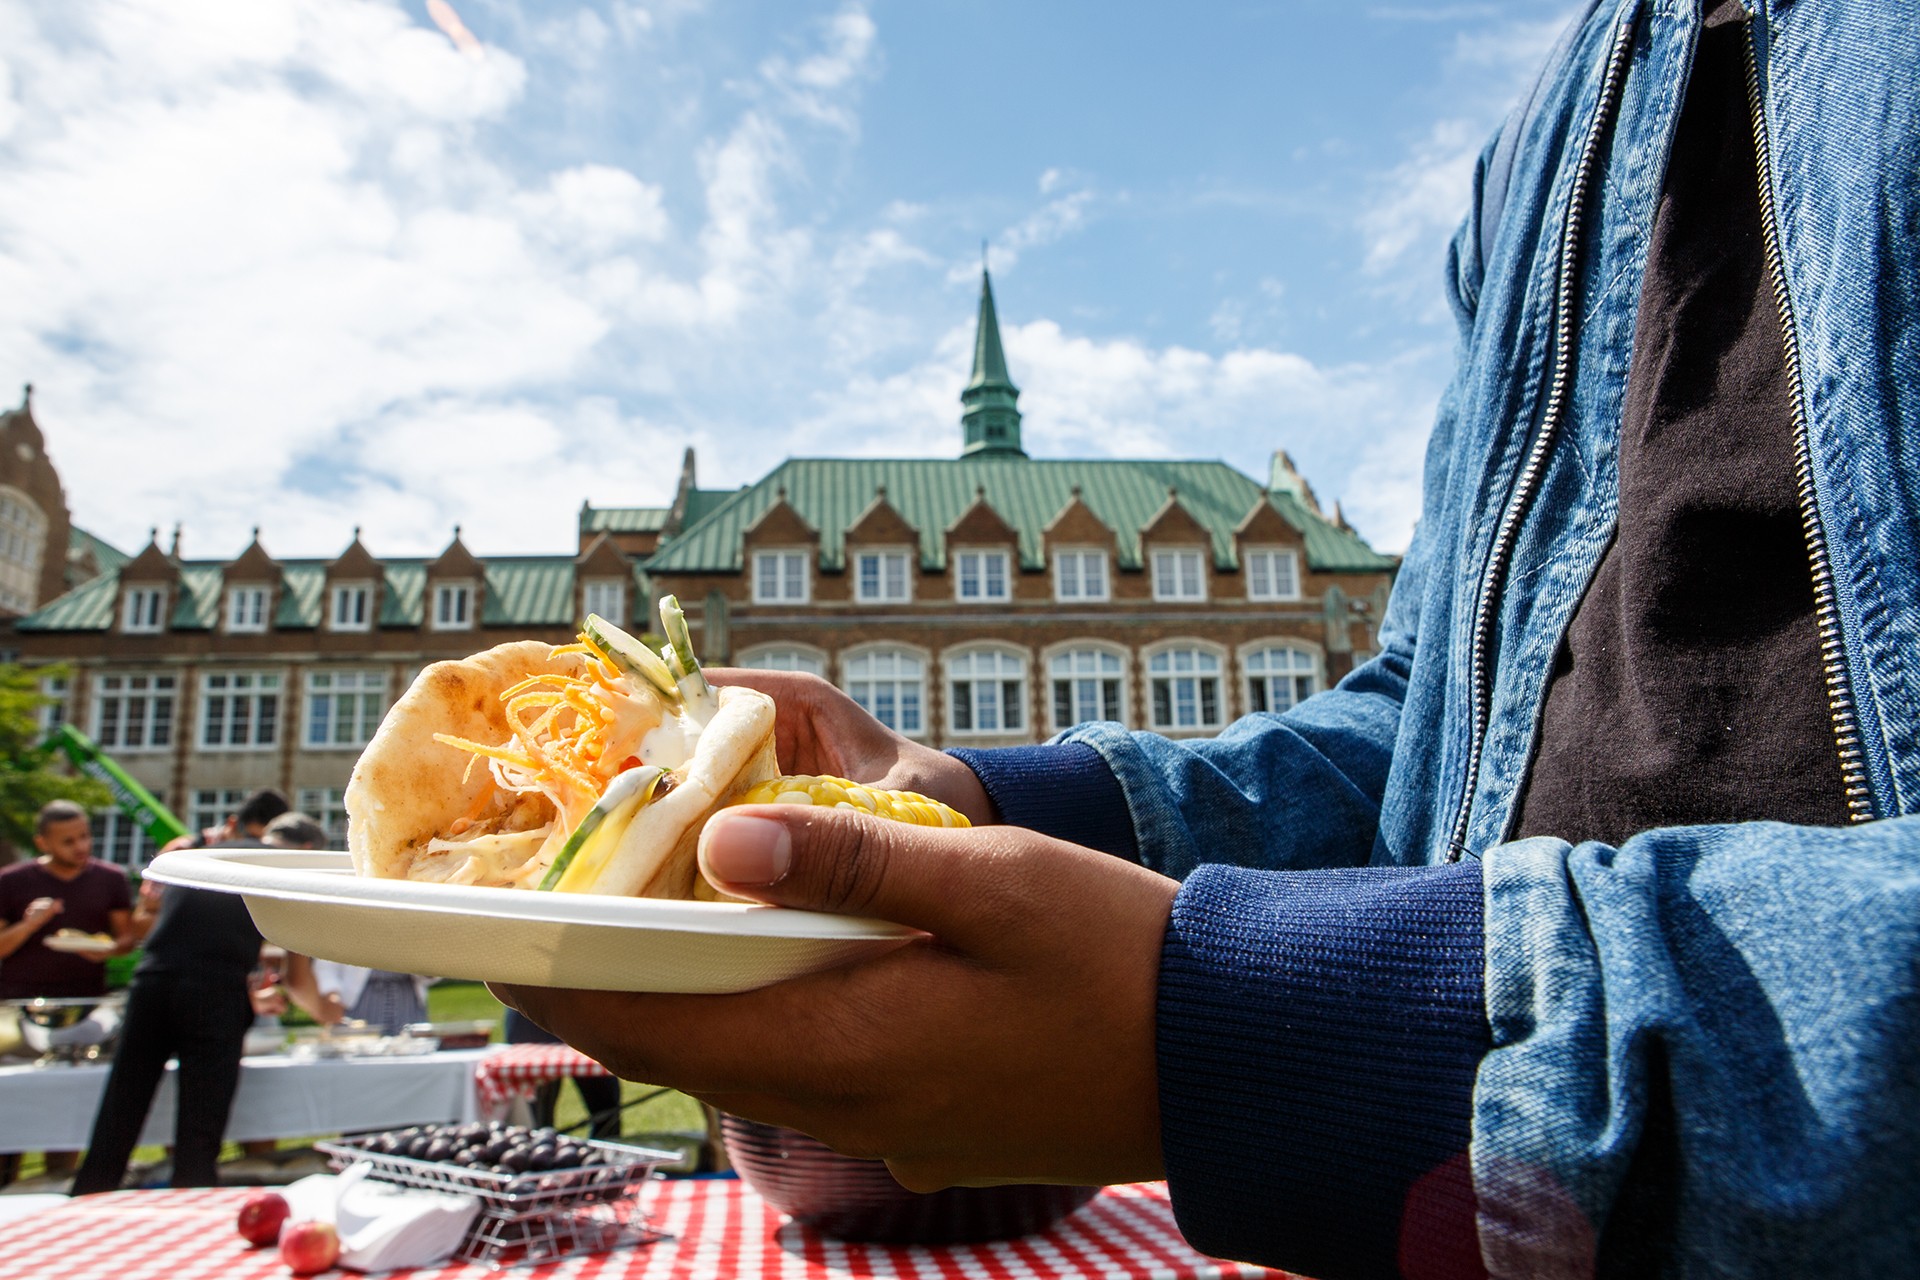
{"points": [[1275, 555], [849, 660], [1218, 674], [335, 696], [1021, 699], [1315, 672], [1079, 645], [116, 688], [256, 696]]}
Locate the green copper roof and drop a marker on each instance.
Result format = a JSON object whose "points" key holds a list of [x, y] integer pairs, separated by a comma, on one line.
{"points": [[990, 422], [623, 519], [105, 554], [989, 358], [931, 494], [521, 591]]}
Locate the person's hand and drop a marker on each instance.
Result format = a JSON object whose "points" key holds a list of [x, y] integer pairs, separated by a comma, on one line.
{"points": [[331, 1012], [268, 1000], [1015, 1043], [41, 910], [819, 729]]}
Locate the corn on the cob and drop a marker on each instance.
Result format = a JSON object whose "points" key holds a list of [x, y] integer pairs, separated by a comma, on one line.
{"points": [[837, 793]]}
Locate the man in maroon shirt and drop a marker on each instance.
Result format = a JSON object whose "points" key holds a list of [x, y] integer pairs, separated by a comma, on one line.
{"points": [[63, 888]]}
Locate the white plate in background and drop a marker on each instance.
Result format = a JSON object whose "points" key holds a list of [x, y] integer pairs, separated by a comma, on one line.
{"points": [[313, 903]]}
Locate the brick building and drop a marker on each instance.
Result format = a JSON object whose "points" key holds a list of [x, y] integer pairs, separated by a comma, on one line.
{"points": [[987, 599]]}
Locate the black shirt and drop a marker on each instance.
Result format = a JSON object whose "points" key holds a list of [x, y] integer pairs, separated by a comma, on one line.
{"points": [[203, 935]]}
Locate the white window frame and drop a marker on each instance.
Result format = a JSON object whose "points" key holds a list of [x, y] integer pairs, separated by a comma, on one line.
{"points": [[978, 565], [1258, 674], [782, 575], [360, 619], [1273, 573], [118, 839], [977, 679], [606, 597], [122, 691], [327, 806], [1065, 665], [247, 609], [54, 714], [454, 605], [143, 610], [866, 685], [1070, 585], [223, 692], [214, 805], [1179, 574], [333, 696], [784, 657], [1185, 660], [893, 575]]}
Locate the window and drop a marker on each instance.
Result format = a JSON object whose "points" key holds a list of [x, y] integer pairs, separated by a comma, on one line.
{"points": [[981, 575], [247, 609], [1080, 575], [143, 609], [327, 806], [1272, 575], [1178, 575], [53, 714], [780, 577], [989, 688], [344, 707], [23, 542], [1185, 688], [606, 597], [1086, 686], [239, 709], [785, 658], [891, 685], [134, 712], [117, 838], [352, 607], [211, 807], [881, 576], [1278, 678], [453, 606]]}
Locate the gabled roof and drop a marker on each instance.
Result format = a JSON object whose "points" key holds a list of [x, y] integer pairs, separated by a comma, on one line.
{"points": [[932, 493], [104, 553]]}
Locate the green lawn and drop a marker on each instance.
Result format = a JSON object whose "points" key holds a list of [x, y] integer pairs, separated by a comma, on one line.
{"points": [[658, 1119]]}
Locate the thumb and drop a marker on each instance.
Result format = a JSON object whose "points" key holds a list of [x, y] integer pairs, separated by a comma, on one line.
{"points": [[837, 860]]}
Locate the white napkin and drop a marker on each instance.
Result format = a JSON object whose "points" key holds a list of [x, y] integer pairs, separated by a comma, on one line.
{"points": [[383, 1226]]}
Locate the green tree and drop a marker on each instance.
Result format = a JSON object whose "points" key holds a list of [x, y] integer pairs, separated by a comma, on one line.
{"points": [[28, 776]]}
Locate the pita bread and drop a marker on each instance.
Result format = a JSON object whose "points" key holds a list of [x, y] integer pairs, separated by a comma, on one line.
{"points": [[409, 789]]}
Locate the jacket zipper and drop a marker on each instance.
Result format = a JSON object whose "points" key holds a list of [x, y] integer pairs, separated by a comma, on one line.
{"points": [[1833, 654], [1508, 532]]}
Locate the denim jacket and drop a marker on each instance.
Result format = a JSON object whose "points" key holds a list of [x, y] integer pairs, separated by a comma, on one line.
{"points": [[1702, 1049]]}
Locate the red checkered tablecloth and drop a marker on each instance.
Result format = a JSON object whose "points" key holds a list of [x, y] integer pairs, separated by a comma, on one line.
{"points": [[718, 1230], [515, 1070]]}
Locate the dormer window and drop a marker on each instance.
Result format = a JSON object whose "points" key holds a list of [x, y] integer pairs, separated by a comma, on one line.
{"points": [[453, 606], [1272, 574], [246, 609], [780, 577], [606, 597], [981, 576], [1179, 574], [880, 577], [1080, 573], [143, 610], [352, 607]]}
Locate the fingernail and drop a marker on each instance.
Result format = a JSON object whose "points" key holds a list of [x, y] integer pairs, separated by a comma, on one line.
{"points": [[737, 849]]}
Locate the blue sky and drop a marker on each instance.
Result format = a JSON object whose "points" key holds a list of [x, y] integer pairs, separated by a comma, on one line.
{"points": [[406, 264]]}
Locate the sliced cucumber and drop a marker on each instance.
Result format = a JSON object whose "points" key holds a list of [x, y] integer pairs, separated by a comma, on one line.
{"points": [[609, 816], [695, 693], [632, 657]]}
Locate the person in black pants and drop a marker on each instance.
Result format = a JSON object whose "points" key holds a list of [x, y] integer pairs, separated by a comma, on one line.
{"points": [[189, 1000], [599, 1094]]}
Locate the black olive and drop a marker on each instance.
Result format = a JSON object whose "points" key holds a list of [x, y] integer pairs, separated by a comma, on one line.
{"points": [[540, 1156], [440, 1148], [515, 1159]]}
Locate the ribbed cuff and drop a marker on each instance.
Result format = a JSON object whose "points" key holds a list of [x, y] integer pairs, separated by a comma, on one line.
{"points": [[1064, 790], [1319, 1032]]}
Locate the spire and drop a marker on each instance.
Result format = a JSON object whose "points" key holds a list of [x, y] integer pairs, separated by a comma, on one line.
{"points": [[990, 422]]}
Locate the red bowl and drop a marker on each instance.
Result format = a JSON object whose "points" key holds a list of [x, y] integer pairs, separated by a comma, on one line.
{"points": [[853, 1199]]}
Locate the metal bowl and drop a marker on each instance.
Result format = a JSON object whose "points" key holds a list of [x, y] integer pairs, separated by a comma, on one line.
{"points": [[57, 1013], [853, 1199]]}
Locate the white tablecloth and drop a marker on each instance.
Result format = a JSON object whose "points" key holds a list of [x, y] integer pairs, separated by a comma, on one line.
{"points": [[51, 1108]]}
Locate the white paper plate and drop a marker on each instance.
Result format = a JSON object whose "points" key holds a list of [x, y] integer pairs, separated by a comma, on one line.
{"points": [[312, 902], [78, 946]]}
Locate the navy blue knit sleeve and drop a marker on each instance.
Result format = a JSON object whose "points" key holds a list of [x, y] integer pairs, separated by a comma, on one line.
{"points": [[1319, 1032], [1064, 790]]}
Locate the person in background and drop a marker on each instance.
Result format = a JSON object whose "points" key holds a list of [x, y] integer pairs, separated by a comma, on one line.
{"points": [[329, 992], [189, 999], [65, 887], [600, 1095]]}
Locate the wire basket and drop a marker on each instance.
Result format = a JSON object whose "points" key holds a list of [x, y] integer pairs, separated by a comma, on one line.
{"points": [[529, 1218]]}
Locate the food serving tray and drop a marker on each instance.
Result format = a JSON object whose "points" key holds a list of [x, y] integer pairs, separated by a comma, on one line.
{"points": [[311, 902], [529, 1218]]}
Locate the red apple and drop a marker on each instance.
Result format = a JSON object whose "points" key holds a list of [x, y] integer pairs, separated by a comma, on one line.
{"points": [[307, 1247], [260, 1217]]}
